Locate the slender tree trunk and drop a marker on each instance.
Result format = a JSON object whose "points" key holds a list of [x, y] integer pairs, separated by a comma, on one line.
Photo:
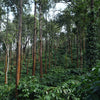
{"points": [[34, 42], [39, 54], [83, 50], [40, 31], [66, 55], [68, 44], [10, 49], [28, 59], [46, 56], [75, 41], [84, 44], [6, 69], [32, 50], [22, 58], [19, 46], [10, 62], [49, 55], [46, 48], [81, 57], [7, 64], [71, 51], [55, 55], [77, 51], [7, 51]]}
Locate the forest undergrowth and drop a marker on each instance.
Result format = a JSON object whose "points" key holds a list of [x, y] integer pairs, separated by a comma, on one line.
{"points": [[58, 84]]}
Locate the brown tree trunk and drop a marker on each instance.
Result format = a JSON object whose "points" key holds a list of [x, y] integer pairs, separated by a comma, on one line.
{"points": [[40, 31], [49, 56], [71, 52], [7, 51], [46, 48], [27, 66], [46, 56], [75, 41], [28, 60], [66, 58], [68, 44], [34, 42], [84, 43], [81, 57], [19, 45], [10, 61], [39, 54], [6, 69], [77, 52]]}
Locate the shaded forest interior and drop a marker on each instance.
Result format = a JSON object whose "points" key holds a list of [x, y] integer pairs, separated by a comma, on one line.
{"points": [[49, 49]]}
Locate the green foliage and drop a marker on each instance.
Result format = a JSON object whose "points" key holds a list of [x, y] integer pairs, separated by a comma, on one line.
{"points": [[58, 84], [91, 48], [53, 86], [7, 92], [90, 86]]}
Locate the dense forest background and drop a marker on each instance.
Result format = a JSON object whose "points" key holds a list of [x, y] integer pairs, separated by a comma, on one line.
{"points": [[46, 56]]}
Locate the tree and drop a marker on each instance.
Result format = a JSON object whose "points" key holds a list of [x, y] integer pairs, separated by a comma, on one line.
{"points": [[40, 32], [91, 49], [19, 45], [34, 39]]}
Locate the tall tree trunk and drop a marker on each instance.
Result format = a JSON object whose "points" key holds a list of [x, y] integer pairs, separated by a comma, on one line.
{"points": [[77, 51], [46, 48], [84, 44], [71, 52], [81, 57], [7, 51], [66, 55], [40, 31], [34, 42], [74, 41], [19, 45], [22, 58], [7, 64], [10, 61], [68, 43], [49, 54], [46, 56], [6, 69]]}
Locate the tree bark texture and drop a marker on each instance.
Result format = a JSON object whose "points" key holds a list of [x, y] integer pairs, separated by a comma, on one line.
{"points": [[40, 31], [19, 45], [34, 42]]}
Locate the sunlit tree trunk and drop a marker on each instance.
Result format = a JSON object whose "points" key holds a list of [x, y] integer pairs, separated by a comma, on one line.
{"points": [[19, 45], [7, 64], [10, 61], [7, 51]]}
